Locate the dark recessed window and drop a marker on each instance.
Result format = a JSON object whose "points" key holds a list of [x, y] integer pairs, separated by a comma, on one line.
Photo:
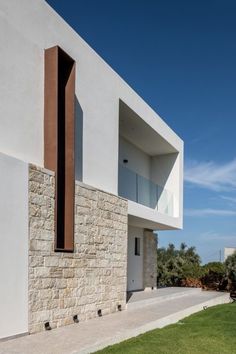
{"points": [[137, 246]]}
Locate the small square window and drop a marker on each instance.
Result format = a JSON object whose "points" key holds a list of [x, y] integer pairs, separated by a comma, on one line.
{"points": [[137, 246]]}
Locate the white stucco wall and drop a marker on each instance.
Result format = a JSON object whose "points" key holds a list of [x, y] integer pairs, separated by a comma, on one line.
{"points": [[138, 161], [14, 246], [21, 88]]}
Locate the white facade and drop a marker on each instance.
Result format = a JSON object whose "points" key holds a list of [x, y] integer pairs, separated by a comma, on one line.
{"points": [[14, 246], [116, 133]]}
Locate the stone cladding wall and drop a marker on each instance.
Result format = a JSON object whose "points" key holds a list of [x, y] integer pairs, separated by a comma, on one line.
{"points": [[94, 276], [149, 260]]}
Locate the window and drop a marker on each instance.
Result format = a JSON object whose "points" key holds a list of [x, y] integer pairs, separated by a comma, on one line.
{"points": [[137, 246]]}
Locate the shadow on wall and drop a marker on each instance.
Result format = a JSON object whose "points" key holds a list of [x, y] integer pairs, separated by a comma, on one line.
{"points": [[78, 141], [163, 167]]}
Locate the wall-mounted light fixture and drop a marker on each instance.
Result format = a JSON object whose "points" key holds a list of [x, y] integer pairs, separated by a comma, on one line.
{"points": [[125, 161], [47, 326], [76, 319]]}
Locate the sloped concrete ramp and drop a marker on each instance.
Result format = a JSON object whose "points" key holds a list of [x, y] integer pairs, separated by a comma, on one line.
{"points": [[139, 299], [145, 311]]}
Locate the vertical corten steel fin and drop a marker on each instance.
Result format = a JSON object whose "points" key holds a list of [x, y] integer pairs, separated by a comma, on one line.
{"points": [[59, 140]]}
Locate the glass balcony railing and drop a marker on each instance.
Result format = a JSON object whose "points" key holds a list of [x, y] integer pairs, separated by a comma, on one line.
{"points": [[141, 190]]}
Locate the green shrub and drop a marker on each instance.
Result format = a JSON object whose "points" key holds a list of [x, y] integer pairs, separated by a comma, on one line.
{"points": [[174, 265], [215, 267], [214, 277], [230, 265], [181, 267]]}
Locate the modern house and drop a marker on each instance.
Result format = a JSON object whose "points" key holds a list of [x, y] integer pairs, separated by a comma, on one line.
{"points": [[87, 172]]}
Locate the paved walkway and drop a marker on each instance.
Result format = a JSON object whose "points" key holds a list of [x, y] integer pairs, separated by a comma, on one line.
{"points": [[139, 299], [87, 337]]}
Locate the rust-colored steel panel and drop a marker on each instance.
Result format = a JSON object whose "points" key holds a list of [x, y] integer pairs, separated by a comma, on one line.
{"points": [[50, 108], [59, 140]]}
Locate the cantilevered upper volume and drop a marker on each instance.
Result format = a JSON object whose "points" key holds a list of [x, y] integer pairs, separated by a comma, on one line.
{"points": [[150, 170]]}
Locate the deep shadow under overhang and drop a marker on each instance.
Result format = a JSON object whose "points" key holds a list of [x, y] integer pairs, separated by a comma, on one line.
{"points": [[133, 128]]}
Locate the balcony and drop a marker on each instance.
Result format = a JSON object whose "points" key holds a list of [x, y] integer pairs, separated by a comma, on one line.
{"points": [[139, 189]]}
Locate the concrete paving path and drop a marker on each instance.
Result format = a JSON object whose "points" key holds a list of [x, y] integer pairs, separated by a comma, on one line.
{"points": [[87, 337]]}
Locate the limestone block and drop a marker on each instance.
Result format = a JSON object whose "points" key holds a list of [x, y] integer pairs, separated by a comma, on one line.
{"points": [[68, 273], [51, 261]]}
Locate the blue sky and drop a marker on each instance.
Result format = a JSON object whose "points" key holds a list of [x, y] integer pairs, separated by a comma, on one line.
{"points": [[180, 56]]}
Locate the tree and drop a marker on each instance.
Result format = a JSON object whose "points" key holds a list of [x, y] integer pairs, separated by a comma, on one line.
{"points": [[230, 265], [173, 265]]}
